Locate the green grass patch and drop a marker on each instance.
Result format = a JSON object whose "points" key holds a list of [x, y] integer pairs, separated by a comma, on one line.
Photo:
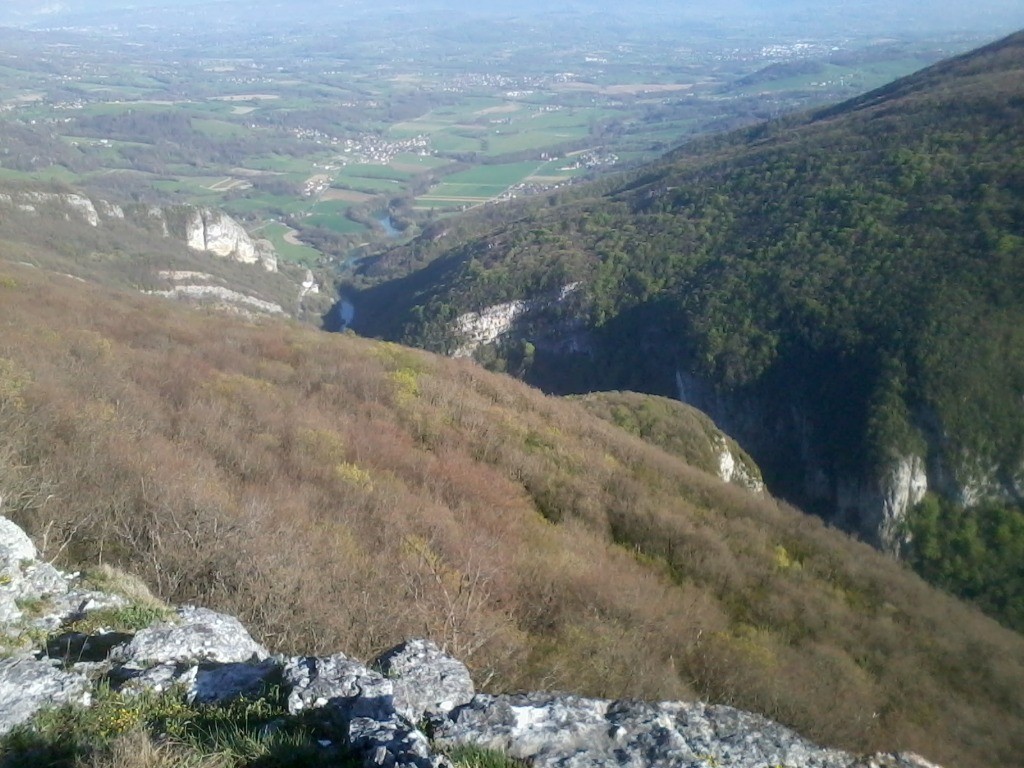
{"points": [[444, 208], [472, 756], [369, 186], [494, 175], [187, 187], [484, 182], [160, 731], [218, 129], [332, 207], [336, 222], [120, 108], [505, 140], [300, 254], [53, 173], [256, 203], [280, 164], [422, 162], [448, 141], [130, 618], [371, 171]]}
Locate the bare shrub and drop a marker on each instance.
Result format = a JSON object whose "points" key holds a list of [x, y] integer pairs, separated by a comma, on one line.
{"points": [[338, 494]]}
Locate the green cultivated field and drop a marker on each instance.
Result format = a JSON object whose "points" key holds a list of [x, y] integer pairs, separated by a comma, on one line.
{"points": [[301, 254], [486, 182], [367, 171], [369, 185], [332, 215], [494, 127]]}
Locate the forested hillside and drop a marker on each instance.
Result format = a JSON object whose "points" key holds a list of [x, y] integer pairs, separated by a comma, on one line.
{"points": [[340, 493], [841, 290]]}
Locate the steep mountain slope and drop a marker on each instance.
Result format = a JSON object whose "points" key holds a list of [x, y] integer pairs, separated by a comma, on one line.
{"points": [[335, 492], [840, 290]]}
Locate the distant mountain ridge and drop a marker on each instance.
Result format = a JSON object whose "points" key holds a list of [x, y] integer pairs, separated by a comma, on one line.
{"points": [[841, 290]]}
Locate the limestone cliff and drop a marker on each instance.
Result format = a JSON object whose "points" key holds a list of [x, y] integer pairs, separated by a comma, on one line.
{"points": [[217, 233], [487, 325], [201, 229], [788, 448], [783, 437], [880, 504], [72, 204], [497, 322]]}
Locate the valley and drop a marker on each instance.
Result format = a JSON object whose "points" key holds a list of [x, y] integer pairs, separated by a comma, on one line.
{"points": [[404, 115]]}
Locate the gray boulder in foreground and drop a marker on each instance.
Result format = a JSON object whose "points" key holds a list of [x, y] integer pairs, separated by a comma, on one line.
{"points": [[201, 683], [15, 545], [426, 680], [22, 576], [559, 731], [337, 681], [198, 635], [28, 685], [360, 701]]}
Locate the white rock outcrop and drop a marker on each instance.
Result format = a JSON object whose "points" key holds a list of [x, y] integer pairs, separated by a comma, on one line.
{"points": [[181, 275], [427, 681], [217, 233], [156, 213], [905, 485], [85, 207], [734, 470], [205, 230], [487, 325], [27, 685], [879, 506], [223, 298], [547, 730], [309, 285], [78, 205], [194, 635], [477, 329], [110, 210]]}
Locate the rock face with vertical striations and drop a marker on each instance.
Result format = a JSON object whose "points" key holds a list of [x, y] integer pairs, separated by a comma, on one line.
{"points": [[217, 233], [203, 229]]}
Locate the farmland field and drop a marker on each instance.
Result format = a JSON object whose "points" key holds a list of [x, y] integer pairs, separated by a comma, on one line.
{"points": [[487, 182], [282, 236]]}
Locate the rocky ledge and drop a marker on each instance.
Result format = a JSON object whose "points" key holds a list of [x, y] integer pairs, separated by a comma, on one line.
{"points": [[380, 712]]}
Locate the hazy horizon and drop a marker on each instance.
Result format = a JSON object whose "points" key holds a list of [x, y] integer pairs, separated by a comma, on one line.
{"points": [[864, 16]]}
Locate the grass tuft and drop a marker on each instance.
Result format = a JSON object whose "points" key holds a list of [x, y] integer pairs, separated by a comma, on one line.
{"points": [[473, 756], [151, 730]]}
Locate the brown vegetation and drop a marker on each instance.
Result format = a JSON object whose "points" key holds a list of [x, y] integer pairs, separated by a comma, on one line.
{"points": [[341, 494]]}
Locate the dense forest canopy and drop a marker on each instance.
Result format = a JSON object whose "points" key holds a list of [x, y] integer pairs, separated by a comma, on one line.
{"points": [[860, 266]]}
